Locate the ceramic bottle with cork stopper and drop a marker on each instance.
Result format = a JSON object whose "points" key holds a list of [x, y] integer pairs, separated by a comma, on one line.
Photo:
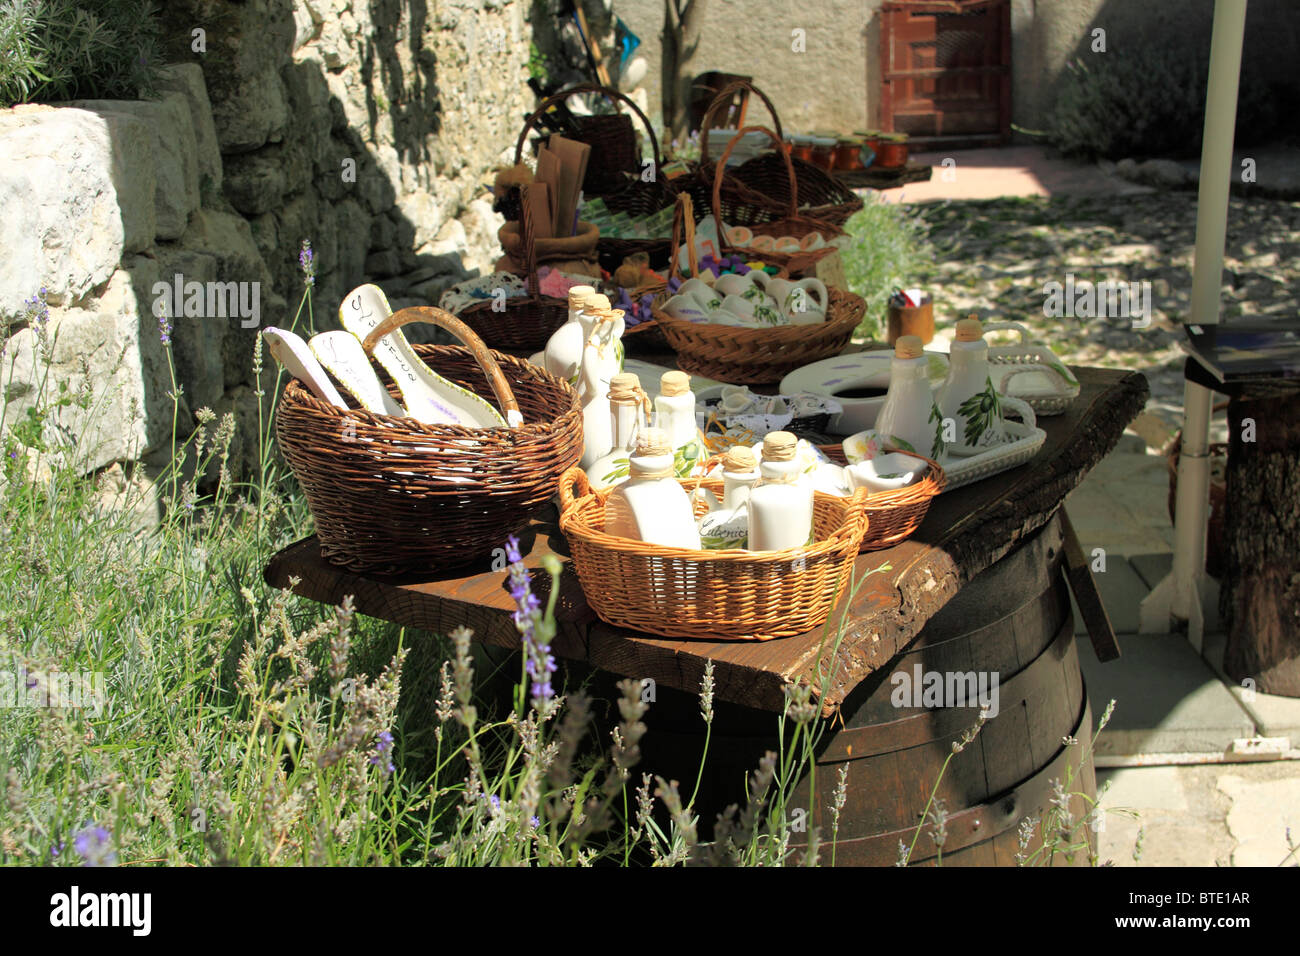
{"points": [[600, 362], [628, 406], [726, 523], [674, 412], [780, 505], [651, 505], [968, 397], [563, 353], [909, 417]]}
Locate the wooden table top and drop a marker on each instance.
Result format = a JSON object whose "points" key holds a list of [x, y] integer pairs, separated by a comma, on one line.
{"points": [[964, 532]]}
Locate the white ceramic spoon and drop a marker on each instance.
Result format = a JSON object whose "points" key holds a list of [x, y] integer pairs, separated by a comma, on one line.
{"points": [[341, 353], [292, 352], [428, 396]]}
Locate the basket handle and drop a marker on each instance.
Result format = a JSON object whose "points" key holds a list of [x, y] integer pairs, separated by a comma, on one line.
{"points": [[572, 476], [684, 220], [445, 320], [605, 91], [722, 99], [722, 165]]}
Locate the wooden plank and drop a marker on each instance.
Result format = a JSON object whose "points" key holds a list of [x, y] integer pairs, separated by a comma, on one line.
{"points": [[964, 532], [1095, 618]]}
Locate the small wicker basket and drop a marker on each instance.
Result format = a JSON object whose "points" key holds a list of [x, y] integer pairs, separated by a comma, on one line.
{"points": [[393, 494], [895, 515], [710, 595]]}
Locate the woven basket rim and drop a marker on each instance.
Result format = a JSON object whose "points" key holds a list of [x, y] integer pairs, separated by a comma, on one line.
{"points": [[777, 335]]}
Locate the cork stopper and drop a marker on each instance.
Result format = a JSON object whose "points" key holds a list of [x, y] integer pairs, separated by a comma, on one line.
{"points": [[739, 459], [969, 330], [652, 443], [908, 347], [579, 295], [674, 383], [780, 446], [596, 301], [603, 315], [625, 388]]}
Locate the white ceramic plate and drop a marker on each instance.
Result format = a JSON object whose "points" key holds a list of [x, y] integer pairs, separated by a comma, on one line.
{"points": [[853, 372]]}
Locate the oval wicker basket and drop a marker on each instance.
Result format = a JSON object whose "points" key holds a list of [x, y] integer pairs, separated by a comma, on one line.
{"points": [[710, 595], [526, 323], [895, 515], [393, 494]]}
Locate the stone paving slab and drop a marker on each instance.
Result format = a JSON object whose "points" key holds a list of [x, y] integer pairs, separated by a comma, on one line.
{"points": [[1122, 591], [1168, 700], [1263, 813], [1274, 715]]}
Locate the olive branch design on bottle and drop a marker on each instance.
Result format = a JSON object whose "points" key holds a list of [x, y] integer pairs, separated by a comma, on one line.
{"points": [[937, 417], [981, 410]]}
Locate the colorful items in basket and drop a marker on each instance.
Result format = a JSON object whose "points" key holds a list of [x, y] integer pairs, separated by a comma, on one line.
{"points": [[620, 225], [752, 300], [506, 285], [733, 410]]}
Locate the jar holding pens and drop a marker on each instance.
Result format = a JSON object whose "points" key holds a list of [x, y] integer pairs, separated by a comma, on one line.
{"points": [[911, 312]]}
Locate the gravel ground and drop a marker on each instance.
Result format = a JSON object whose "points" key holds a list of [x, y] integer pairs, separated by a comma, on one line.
{"points": [[993, 257]]}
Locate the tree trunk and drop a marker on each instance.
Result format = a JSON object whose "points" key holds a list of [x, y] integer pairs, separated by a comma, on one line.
{"points": [[1260, 597], [682, 28]]}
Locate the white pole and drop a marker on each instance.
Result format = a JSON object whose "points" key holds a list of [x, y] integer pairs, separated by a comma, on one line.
{"points": [[1179, 594]]}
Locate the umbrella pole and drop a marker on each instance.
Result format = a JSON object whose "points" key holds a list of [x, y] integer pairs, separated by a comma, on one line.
{"points": [[1178, 596]]}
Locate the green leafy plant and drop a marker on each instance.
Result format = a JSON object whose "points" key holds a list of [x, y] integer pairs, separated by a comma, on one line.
{"points": [[889, 248], [56, 50]]}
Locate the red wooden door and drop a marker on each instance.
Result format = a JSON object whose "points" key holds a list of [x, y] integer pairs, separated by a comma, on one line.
{"points": [[947, 69]]}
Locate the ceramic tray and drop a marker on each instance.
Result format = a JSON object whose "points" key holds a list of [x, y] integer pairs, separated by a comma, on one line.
{"points": [[1025, 444], [855, 370]]}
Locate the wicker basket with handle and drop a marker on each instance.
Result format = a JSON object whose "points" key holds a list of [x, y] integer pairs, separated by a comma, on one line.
{"points": [[710, 595], [747, 356], [394, 494]]}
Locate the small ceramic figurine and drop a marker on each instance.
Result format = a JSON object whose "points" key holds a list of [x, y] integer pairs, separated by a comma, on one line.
{"points": [[910, 417], [627, 405], [969, 398], [651, 505], [726, 523], [780, 505]]}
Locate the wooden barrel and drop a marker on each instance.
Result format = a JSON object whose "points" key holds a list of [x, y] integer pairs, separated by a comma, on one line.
{"points": [[1013, 621]]}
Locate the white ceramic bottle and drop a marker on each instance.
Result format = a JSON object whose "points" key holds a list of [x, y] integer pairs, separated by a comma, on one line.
{"points": [[600, 362], [675, 414], [780, 505], [562, 356], [627, 409], [910, 417], [969, 398], [726, 523], [651, 505]]}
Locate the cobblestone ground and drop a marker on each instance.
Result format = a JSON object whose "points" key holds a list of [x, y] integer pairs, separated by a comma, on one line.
{"points": [[993, 257]]}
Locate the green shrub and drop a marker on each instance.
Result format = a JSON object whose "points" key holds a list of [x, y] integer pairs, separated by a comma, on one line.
{"points": [[1148, 102], [56, 50], [889, 248]]}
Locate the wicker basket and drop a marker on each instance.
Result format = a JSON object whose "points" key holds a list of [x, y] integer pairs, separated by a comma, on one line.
{"points": [[393, 494], [759, 190], [711, 595], [895, 515], [525, 324], [792, 224], [610, 160]]}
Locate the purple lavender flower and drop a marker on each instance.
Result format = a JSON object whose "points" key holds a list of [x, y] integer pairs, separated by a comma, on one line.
{"points": [[164, 328], [383, 753], [307, 262], [539, 665], [94, 845], [36, 309]]}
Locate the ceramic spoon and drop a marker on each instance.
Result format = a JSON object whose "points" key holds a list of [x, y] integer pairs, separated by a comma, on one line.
{"points": [[293, 353], [342, 355], [428, 396]]}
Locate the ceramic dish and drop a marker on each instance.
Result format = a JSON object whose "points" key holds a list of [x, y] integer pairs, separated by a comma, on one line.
{"points": [[1024, 443], [850, 379]]}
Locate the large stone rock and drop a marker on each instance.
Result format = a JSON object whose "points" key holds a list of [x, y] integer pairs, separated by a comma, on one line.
{"points": [[115, 340], [196, 339], [76, 192], [187, 79], [1164, 173]]}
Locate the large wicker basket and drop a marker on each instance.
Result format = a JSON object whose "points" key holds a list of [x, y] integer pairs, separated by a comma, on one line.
{"points": [[759, 190], [525, 324], [636, 195], [711, 595], [393, 494], [894, 516]]}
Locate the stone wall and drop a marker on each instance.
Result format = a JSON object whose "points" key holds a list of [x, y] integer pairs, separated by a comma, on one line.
{"points": [[367, 128]]}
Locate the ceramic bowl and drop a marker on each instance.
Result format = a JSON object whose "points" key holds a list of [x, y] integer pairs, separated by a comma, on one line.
{"points": [[887, 472]]}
